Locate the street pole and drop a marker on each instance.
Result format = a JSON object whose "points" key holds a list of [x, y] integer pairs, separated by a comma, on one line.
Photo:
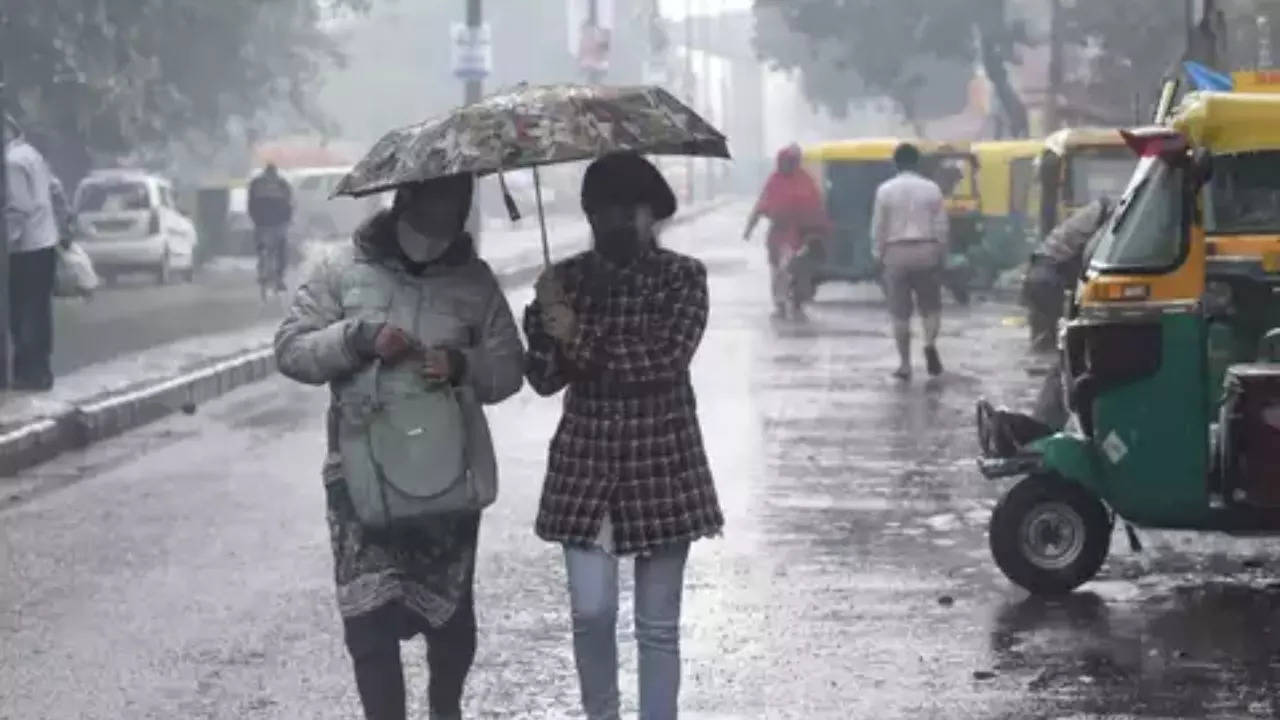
{"points": [[595, 76], [5, 355], [707, 105], [1052, 111], [473, 91], [689, 89]]}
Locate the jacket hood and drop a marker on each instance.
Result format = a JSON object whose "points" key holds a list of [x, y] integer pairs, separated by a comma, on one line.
{"points": [[375, 240], [789, 158]]}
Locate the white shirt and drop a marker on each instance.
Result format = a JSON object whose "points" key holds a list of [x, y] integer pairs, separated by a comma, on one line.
{"points": [[908, 207], [29, 212]]}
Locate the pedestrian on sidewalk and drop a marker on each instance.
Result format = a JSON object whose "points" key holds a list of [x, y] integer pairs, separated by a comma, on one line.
{"points": [[271, 210], [909, 231], [797, 223], [626, 474], [411, 276], [33, 238]]}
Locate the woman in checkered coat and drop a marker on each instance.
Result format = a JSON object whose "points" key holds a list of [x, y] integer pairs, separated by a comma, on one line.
{"points": [[627, 474]]}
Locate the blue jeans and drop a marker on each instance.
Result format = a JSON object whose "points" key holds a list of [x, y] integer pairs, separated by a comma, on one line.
{"points": [[593, 598]]}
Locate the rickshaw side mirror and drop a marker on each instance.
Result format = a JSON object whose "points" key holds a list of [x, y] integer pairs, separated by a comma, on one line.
{"points": [[1269, 347]]}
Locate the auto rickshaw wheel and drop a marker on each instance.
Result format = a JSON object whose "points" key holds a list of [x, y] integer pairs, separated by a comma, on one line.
{"points": [[1049, 536]]}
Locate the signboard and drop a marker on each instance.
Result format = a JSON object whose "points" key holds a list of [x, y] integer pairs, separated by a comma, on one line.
{"points": [[472, 51]]}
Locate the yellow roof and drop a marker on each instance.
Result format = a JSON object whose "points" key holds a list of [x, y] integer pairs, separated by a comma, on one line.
{"points": [[1230, 122], [1070, 139], [875, 148]]}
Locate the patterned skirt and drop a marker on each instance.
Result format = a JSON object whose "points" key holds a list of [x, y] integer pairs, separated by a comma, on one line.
{"points": [[426, 569]]}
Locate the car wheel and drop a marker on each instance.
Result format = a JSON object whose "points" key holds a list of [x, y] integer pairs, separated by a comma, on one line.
{"points": [[1049, 535], [164, 271]]}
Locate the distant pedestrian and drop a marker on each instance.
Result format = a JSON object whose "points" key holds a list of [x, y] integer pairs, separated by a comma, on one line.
{"points": [[909, 231], [627, 473], [271, 209], [797, 222], [408, 294], [33, 239]]}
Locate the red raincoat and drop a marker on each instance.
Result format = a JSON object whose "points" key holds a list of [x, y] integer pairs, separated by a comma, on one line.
{"points": [[792, 202]]}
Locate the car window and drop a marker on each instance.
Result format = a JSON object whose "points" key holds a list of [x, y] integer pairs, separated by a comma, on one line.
{"points": [[311, 184], [113, 196]]}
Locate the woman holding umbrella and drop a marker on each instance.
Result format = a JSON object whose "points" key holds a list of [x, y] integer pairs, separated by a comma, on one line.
{"points": [[410, 277], [627, 473]]}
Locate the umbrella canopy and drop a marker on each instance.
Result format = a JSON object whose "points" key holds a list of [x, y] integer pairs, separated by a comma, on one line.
{"points": [[532, 126]]}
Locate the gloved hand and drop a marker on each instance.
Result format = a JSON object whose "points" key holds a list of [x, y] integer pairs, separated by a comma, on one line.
{"points": [[393, 344]]}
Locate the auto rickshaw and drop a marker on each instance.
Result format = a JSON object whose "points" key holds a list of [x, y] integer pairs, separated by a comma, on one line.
{"points": [[1075, 167], [848, 173], [1006, 174], [1170, 359]]}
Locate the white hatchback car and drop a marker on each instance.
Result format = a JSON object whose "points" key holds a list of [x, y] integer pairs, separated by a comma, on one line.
{"points": [[127, 221]]}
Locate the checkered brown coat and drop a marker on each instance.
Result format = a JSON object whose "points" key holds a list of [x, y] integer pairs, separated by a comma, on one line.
{"points": [[628, 443]]}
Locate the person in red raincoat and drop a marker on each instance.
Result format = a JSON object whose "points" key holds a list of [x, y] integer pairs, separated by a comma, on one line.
{"points": [[797, 218]]}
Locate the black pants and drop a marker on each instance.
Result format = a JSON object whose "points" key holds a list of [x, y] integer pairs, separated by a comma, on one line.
{"points": [[374, 639], [31, 316]]}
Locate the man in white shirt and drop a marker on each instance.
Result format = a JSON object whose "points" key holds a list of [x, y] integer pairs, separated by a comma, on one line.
{"points": [[33, 237], [909, 231]]}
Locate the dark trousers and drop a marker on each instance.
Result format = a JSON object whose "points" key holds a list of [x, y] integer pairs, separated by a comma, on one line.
{"points": [[373, 639], [31, 316]]}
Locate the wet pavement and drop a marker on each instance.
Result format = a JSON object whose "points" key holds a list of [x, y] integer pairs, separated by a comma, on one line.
{"points": [[183, 570]]}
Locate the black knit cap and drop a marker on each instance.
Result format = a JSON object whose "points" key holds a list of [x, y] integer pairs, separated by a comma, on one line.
{"points": [[627, 179]]}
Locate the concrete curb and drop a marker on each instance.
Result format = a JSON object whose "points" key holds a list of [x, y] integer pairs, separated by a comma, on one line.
{"points": [[42, 440]]}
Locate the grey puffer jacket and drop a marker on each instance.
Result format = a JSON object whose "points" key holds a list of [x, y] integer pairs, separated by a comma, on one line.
{"points": [[454, 302]]}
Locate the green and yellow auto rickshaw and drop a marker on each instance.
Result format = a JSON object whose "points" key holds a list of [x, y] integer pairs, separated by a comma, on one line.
{"points": [[1006, 175], [848, 173], [1169, 356]]}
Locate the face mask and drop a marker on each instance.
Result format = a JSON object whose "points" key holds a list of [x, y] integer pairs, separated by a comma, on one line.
{"points": [[419, 247], [622, 234]]}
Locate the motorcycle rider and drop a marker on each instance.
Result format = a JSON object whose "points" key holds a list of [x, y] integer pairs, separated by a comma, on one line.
{"points": [[271, 209]]}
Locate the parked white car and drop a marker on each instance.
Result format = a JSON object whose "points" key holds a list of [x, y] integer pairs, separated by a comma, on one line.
{"points": [[127, 221]]}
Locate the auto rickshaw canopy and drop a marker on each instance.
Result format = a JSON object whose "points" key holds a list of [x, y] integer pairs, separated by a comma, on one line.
{"points": [[1063, 142], [876, 149], [1230, 122], [995, 181]]}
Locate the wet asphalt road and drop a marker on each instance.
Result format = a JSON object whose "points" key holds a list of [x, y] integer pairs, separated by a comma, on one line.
{"points": [[139, 314], [183, 570]]}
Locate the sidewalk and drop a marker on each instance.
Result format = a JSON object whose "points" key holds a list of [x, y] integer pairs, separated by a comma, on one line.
{"points": [[106, 399]]}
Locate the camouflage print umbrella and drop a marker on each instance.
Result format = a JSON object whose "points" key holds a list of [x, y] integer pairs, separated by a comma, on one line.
{"points": [[532, 126]]}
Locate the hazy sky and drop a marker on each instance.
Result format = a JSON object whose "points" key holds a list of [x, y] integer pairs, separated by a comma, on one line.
{"points": [[676, 8]]}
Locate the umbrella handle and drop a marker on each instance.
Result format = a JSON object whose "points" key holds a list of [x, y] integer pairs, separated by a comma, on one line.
{"points": [[542, 220]]}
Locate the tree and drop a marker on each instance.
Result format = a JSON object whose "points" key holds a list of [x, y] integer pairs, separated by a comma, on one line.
{"points": [[890, 46], [111, 76]]}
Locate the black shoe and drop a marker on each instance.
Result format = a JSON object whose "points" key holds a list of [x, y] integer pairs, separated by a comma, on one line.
{"points": [[932, 361], [903, 374]]}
